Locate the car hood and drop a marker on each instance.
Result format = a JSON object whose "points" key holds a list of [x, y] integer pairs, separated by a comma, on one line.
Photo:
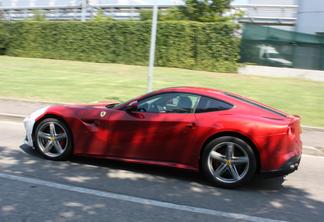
{"points": [[79, 110], [100, 104]]}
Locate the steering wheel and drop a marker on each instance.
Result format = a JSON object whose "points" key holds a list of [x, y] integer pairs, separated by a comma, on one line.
{"points": [[144, 108]]}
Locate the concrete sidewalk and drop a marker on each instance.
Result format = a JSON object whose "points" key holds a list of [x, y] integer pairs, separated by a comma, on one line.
{"points": [[312, 137], [19, 107]]}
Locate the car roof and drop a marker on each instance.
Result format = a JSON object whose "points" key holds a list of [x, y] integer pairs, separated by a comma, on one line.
{"points": [[191, 89], [225, 96], [214, 93]]}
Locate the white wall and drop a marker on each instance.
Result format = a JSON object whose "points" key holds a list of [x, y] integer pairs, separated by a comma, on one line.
{"points": [[314, 75], [273, 12], [29, 3], [273, 2], [310, 17]]}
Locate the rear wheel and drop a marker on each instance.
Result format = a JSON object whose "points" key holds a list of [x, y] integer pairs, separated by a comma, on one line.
{"points": [[228, 162], [53, 139]]}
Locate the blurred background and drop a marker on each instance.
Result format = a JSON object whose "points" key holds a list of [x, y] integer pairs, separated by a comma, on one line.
{"points": [[275, 33], [291, 28], [91, 50]]}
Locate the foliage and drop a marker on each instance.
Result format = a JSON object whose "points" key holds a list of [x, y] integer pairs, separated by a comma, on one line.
{"points": [[101, 17], [195, 10], [38, 15], [146, 14], [2, 16], [192, 45], [206, 10], [3, 38]]}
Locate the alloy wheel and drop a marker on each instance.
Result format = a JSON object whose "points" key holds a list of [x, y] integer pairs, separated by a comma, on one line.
{"points": [[52, 139], [228, 162]]}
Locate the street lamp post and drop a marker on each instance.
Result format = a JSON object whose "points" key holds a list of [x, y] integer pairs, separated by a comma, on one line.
{"points": [[152, 48]]}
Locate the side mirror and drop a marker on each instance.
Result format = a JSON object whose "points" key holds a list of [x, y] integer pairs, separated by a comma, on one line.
{"points": [[132, 107]]}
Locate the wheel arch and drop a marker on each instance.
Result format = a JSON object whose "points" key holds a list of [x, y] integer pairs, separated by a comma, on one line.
{"points": [[46, 116], [234, 134]]}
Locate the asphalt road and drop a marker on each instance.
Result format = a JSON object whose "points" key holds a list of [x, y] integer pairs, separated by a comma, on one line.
{"points": [[83, 189]]}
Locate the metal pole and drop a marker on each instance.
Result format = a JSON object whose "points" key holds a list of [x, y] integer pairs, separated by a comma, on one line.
{"points": [[83, 10], [152, 48]]}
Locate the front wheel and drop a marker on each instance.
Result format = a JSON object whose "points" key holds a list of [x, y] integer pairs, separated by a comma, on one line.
{"points": [[53, 139], [228, 162]]}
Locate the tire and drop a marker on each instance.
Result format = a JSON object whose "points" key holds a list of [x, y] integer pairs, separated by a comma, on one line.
{"points": [[228, 162], [53, 139]]}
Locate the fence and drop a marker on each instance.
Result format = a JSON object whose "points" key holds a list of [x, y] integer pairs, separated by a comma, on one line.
{"points": [[78, 9], [269, 14]]}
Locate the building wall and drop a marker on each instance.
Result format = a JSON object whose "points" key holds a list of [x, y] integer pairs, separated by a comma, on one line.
{"points": [[273, 12], [273, 2], [31, 3], [310, 17]]}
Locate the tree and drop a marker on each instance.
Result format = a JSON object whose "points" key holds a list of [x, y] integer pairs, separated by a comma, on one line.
{"points": [[101, 17], [205, 10], [146, 14], [196, 10], [2, 16], [38, 15], [3, 38]]}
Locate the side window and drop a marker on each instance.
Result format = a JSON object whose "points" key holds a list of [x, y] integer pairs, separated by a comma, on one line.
{"points": [[207, 104], [169, 103]]}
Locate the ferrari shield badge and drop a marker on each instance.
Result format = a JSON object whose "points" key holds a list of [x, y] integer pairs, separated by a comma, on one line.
{"points": [[102, 114]]}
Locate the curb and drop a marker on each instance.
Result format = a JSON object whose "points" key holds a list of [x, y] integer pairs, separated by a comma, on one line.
{"points": [[310, 150], [8, 116], [313, 128]]}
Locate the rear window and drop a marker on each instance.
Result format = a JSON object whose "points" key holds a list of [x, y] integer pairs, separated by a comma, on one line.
{"points": [[255, 104]]}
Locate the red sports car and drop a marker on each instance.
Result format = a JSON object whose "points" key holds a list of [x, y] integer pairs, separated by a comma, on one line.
{"points": [[229, 138]]}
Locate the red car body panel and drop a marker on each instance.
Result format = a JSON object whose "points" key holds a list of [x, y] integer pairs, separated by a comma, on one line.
{"points": [[176, 139]]}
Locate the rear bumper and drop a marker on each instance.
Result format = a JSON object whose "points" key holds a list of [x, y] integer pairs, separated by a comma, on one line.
{"points": [[290, 166], [277, 151]]}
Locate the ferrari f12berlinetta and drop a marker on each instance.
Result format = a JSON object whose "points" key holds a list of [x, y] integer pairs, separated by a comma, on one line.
{"points": [[227, 137]]}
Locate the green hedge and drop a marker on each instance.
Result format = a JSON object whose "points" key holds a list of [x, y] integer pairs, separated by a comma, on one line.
{"points": [[192, 45], [3, 38]]}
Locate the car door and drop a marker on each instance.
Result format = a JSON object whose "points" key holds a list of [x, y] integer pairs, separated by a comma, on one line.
{"points": [[161, 129]]}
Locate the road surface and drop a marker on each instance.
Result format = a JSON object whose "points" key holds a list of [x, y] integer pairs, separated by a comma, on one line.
{"points": [[83, 189]]}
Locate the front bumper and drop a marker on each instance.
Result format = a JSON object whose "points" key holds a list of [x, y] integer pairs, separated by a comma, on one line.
{"points": [[290, 166], [29, 123]]}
